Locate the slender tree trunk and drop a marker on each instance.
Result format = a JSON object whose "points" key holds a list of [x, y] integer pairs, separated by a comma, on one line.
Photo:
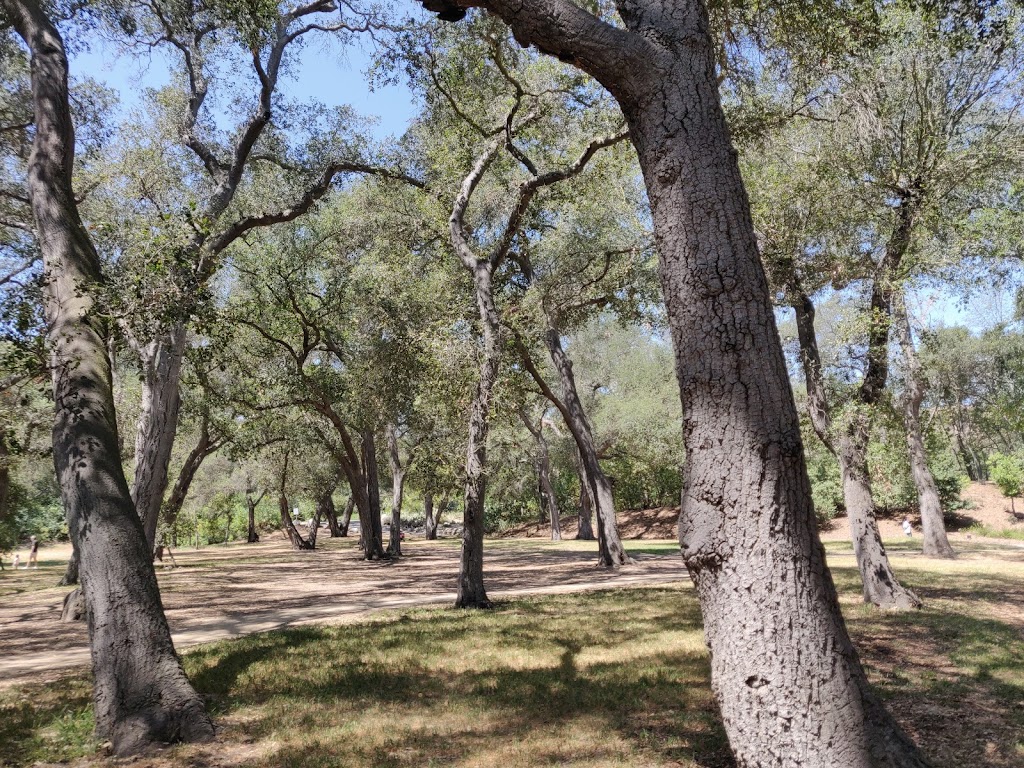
{"points": [[205, 446], [346, 516], [284, 509], [936, 543], [253, 535], [610, 549], [397, 491], [471, 591], [161, 361], [331, 513], [585, 531], [880, 585], [288, 525], [370, 526], [141, 694], [430, 522], [545, 488], [5, 476], [325, 511]]}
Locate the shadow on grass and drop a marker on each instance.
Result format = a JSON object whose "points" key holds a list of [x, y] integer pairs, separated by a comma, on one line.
{"points": [[580, 678]]}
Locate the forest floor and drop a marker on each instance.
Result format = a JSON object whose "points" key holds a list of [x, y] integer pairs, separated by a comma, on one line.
{"points": [[611, 677]]}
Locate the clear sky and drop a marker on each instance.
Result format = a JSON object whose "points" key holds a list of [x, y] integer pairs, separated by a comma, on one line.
{"points": [[327, 73]]}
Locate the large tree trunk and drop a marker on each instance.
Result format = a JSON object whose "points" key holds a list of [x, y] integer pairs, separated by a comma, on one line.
{"points": [[370, 527], [141, 693], [936, 543], [880, 585], [787, 678], [609, 545], [471, 591], [161, 361], [397, 491]]}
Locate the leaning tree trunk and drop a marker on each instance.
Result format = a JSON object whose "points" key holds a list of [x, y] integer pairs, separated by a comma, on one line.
{"points": [[326, 511], [284, 510], [331, 513], [585, 530], [545, 488], [936, 543], [880, 586], [141, 694], [288, 525], [786, 675], [609, 545], [205, 446], [161, 361], [346, 516], [471, 591], [397, 491]]}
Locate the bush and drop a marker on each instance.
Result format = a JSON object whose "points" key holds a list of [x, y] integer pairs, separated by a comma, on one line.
{"points": [[1007, 472]]}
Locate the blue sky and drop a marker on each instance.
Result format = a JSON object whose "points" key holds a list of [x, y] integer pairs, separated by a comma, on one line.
{"points": [[327, 73]]}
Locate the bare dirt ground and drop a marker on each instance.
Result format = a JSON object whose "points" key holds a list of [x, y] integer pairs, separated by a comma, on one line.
{"points": [[987, 507], [237, 589]]}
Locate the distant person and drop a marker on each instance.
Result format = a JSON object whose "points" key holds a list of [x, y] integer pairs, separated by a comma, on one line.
{"points": [[907, 527], [33, 553], [16, 561]]}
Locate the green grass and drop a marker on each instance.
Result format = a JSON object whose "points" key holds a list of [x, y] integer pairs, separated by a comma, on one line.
{"points": [[997, 533], [597, 679]]}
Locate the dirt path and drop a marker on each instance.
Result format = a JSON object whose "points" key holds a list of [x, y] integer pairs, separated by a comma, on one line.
{"points": [[224, 592]]}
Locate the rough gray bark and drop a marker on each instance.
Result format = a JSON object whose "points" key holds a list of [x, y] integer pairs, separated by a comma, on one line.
{"points": [[850, 446], [74, 606], [397, 492], [70, 577], [936, 543], [141, 694], [788, 681], [161, 361]]}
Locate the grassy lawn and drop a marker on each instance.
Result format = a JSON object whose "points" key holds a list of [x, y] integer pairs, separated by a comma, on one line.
{"points": [[610, 678]]}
